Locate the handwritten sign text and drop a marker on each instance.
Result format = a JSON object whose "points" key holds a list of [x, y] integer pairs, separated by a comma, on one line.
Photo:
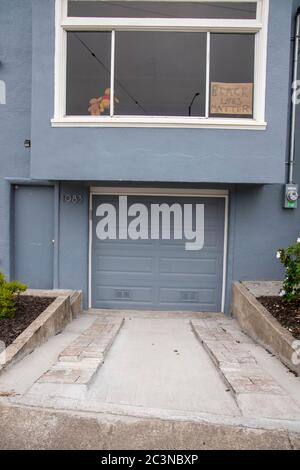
{"points": [[231, 98]]}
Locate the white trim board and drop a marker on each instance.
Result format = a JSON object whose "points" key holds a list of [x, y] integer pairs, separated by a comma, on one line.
{"points": [[128, 191], [167, 122], [164, 192]]}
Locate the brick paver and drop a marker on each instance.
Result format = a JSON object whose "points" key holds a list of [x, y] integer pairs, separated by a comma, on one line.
{"points": [[79, 362], [253, 388]]}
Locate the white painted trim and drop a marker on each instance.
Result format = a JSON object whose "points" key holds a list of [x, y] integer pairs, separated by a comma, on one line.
{"points": [[207, 93], [160, 24], [90, 250], [260, 67], [112, 73], [58, 60], [175, 192], [184, 192], [225, 254], [64, 10], [258, 26], [153, 121]]}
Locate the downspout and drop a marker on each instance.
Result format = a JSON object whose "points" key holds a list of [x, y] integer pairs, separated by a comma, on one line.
{"points": [[291, 162]]}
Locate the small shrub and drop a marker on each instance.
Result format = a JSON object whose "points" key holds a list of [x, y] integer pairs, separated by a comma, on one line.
{"points": [[290, 258], [9, 292]]}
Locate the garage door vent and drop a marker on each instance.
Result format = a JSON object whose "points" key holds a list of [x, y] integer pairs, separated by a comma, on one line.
{"points": [[189, 296], [122, 294]]}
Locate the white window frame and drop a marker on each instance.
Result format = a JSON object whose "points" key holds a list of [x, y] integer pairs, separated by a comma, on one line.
{"points": [[259, 26]]}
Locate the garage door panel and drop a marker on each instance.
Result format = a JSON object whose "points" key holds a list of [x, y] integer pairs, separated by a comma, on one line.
{"points": [[121, 293], [124, 264], [183, 266], [187, 297], [121, 244], [206, 253], [211, 240], [132, 279], [160, 274], [122, 305], [187, 281], [115, 248]]}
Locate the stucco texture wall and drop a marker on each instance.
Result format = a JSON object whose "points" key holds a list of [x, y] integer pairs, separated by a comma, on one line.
{"points": [[73, 239], [15, 122], [177, 155]]}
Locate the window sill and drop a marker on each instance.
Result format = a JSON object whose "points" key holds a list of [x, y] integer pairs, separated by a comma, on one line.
{"points": [[167, 122]]}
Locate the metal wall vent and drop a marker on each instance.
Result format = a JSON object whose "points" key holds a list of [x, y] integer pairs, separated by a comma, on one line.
{"points": [[189, 296], [122, 294]]}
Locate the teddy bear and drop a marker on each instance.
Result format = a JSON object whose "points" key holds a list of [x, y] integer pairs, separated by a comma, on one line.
{"points": [[94, 108], [98, 106]]}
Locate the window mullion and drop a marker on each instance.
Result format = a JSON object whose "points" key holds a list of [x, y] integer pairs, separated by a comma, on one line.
{"points": [[112, 74], [207, 75]]}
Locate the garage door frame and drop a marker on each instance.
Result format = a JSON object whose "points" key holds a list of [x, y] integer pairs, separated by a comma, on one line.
{"points": [[172, 192]]}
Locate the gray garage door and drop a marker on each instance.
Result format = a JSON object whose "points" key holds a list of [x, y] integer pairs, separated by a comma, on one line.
{"points": [[158, 274]]}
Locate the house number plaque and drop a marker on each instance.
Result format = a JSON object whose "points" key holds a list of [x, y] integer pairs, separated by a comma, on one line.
{"points": [[72, 198]]}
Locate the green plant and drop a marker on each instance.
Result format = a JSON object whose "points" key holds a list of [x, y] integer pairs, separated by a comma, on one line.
{"points": [[290, 258], [9, 292]]}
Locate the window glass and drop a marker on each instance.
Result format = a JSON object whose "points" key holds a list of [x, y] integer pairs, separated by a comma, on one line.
{"points": [[232, 75], [148, 9], [160, 73], [88, 73]]}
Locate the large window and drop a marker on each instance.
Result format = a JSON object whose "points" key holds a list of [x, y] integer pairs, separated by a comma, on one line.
{"points": [[193, 63]]}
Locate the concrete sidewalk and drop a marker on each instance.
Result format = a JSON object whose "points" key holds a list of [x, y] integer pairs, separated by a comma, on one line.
{"points": [[190, 378]]}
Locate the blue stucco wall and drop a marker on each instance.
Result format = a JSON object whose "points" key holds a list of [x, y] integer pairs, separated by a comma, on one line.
{"points": [[73, 239], [258, 224], [179, 155], [15, 123]]}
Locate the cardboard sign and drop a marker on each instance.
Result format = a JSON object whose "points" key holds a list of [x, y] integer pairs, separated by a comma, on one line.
{"points": [[231, 98]]}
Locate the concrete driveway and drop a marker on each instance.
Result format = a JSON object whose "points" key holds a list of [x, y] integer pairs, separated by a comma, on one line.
{"points": [[190, 379], [160, 364]]}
